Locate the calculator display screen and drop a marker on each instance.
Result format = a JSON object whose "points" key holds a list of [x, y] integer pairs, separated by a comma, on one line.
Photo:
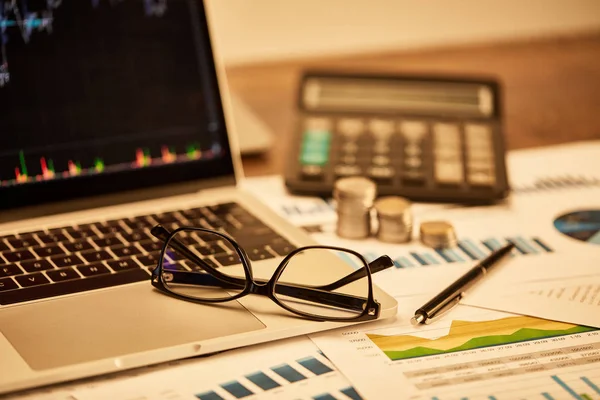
{"points": [[393, 95]]}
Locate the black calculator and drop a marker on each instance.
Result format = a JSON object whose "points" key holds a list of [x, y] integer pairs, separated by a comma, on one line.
{"points": [[428, 138]]}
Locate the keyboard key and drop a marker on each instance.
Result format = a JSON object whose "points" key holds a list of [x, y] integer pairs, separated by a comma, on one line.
{"points": [[32, 279], [73, 286], [109, 241], [282, 248], [3, 246], [74, 247], [121, 265], [228, 259], [7, 284], [10, 270], [209, 249], [63, 274], [101, 255], [195, 267], [20, 255], [66, 261], [19, 243], [93, 269], [149, 260], [154, 246], [126, 251], [49, 238], [48, 251], [109, 230], [36, 265], [134, 237], [78, 234], [258, 254]]}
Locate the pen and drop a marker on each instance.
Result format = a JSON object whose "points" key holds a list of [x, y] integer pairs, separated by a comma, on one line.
{"points": [[451, 296]]}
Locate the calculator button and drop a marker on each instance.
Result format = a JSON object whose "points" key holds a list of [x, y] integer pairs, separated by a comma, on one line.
{"points": [[413, 162], [482, 178], [381, 148], [347, 170], [315, 147], [348, 159], [350, 127], [381, 173], [413, 177], [312, 171], [448, 172], [413, 131], [380, 160], [381, 129], [350, 147], [413, 150], [317, 124]]}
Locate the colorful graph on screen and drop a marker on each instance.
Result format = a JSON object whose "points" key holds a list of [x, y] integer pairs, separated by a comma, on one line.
{"points": [[18, 20], [469, 335], [143, 157]]}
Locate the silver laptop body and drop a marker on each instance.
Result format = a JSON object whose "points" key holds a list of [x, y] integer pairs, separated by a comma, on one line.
{"points": [[54, 187]]}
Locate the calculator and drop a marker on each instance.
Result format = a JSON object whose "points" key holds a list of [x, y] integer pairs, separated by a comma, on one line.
{"points": [[435, 139]]}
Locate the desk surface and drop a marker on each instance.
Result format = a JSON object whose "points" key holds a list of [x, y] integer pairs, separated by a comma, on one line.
{"points": [[551, 88]]}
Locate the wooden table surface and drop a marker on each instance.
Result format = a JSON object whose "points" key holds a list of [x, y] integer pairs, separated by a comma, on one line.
{"points": [[551, 88]]}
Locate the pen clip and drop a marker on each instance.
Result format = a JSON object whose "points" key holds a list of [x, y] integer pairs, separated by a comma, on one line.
{"points": [[447, 307]]}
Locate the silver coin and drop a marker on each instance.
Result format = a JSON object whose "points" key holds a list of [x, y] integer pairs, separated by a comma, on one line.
{"points": [[394, 219], [354, 200], [437, 234]]}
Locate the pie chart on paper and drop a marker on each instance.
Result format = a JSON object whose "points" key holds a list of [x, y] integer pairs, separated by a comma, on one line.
{"points": [[582, 225]]}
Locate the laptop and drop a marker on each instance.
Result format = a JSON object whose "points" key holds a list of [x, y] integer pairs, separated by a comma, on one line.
{"points": [[114, 118]]}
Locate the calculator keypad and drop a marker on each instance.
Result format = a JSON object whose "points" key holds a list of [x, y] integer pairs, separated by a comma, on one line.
{"points": [[436, 159]]}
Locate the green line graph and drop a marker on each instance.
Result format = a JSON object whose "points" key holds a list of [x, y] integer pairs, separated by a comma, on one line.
{"points": [[469, 335]]}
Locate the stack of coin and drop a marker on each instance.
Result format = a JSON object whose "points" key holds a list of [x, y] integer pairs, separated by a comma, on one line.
{"points": [[354, 198], [395, 221], [438, 234]]}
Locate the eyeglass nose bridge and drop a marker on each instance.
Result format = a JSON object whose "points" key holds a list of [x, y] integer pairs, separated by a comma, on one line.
{"points": [[265, 289]]}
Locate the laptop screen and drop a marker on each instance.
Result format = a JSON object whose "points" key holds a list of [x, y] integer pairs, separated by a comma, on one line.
{"points": [[98, 96]]}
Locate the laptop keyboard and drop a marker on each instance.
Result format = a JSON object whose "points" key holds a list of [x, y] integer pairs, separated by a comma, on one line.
{"points": [[78, 258]]}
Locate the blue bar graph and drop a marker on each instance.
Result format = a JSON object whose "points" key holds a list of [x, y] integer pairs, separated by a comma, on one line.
{"points": [[429, 257], [288, 373], [262, 380], [493, 398], [315, 366], [351, 393], [594, 387], [547, 396], [419, 259], [525, 245], [209, 396], [443, 254], [237, 389], [468, 250], [454, 255], [542, 245], [566, 387], [517, 246], [324, 396]]}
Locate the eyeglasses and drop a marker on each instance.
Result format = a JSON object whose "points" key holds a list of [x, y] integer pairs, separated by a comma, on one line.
{"points": [[341, 291]]}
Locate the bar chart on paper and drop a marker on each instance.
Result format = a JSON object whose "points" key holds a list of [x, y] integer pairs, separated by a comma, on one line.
{"points": [[289, 369], [471, 354]]}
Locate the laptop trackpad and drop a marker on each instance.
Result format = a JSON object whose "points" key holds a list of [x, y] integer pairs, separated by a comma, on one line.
{"points": [[114, 323]]}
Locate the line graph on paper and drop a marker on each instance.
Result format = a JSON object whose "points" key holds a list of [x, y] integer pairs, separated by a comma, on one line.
{"points": [[23, 19]]}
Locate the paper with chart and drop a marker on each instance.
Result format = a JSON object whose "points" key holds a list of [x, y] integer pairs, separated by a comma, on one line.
{"points": [[288, 369], [470, 353]]}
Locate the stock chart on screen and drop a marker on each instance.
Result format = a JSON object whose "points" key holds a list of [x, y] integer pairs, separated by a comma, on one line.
{"points": [[98, 86]]}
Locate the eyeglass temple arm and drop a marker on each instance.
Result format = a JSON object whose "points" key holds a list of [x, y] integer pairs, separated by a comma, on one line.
{"points": [[379, 264], [162, 233], [300, 292]]}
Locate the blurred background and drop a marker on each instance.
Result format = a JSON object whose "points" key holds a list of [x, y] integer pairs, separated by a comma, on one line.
{"points": [[545, 52]]}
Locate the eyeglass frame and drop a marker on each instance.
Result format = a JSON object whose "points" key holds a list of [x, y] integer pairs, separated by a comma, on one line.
{"points": [[370, 311]]}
